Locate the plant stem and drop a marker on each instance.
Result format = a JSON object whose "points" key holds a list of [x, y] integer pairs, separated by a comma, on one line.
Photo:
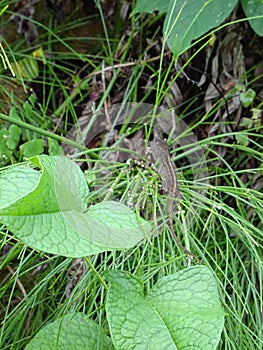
{"points": [[96, 272]]}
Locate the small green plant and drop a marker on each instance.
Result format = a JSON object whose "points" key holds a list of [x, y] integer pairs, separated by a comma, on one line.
{"points": [[16, 142], [9, 138], [186, 21], [180, 311]]}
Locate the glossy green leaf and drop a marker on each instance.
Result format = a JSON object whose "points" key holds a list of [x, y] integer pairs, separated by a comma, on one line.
{"points": [[182, 311], [73, 332], [254, 8], [47, 210], [189, 20]]}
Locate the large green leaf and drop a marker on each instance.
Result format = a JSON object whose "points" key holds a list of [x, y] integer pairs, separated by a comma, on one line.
{"points": [[73, 332], [151, 6], [12, 184], [188, 20], [182, 311], [47, 210], [254, 8]]}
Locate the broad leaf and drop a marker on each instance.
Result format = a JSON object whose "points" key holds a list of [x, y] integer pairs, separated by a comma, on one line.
{"points": [[151, 6], [47, 210], [12, 184], [73, 332], [254, 8], [182, 311], [189, 20]]}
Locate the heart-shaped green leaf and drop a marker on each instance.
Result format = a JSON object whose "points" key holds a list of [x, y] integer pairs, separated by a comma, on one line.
{"points": [[47, 210], [74, 331], [182, 311]]}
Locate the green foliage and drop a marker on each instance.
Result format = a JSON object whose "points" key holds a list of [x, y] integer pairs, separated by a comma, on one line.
{"points": [[74, 331], [247, 97], [150, 6], [47, 210], [186, 21], [181, 311], [226, 235], [28, 67], [254, 8], [16, 142], [9, 138], [32, 148]]}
